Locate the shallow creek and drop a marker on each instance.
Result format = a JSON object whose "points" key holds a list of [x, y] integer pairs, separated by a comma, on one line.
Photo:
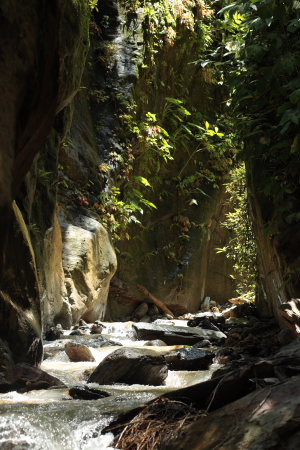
{"points": [[51, 420]]}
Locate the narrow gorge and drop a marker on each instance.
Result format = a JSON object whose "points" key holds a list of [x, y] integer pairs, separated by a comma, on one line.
{"points": [[149, 217]]}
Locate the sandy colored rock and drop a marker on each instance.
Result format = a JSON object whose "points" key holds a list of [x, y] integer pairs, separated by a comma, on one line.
{"points": [[89, 262]]}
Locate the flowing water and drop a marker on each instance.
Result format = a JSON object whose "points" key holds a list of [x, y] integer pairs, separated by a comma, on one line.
{"points": [[51, 420]]}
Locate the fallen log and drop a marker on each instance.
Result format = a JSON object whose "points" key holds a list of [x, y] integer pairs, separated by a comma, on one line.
{"points": [[155, 300]]}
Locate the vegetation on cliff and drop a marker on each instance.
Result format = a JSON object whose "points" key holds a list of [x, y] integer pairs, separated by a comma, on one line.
{"points": [[259, 60]]}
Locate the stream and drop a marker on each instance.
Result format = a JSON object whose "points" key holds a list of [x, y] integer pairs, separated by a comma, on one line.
{"points": [[52, 420]]}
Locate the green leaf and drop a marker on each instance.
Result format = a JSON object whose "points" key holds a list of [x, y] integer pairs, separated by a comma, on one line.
{"points": [[232, 8], [147, 203], [175, 101], [143, 181]]}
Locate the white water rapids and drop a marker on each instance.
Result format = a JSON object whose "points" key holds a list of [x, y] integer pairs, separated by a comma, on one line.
{"points": [[51, 420]]}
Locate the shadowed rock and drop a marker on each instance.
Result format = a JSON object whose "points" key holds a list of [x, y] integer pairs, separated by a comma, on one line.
{"points": [[189, 359], [23, 378], [87, 393], [130, 366]]}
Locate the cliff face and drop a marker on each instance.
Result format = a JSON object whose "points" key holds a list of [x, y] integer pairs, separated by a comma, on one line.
{"points": [[29, 98], [62, 126], [43, 48], [173, 252]]}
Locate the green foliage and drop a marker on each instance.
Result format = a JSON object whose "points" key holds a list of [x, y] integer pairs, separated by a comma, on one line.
{"points": [[263, 63], [155, 132], [241, 247], [93, 4]]}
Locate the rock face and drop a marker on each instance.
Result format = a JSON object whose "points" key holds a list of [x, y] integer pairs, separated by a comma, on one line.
{"points": [[78, 352], [173, 335], [131, 367], [48, 161], [38, 79], [264, 419]]}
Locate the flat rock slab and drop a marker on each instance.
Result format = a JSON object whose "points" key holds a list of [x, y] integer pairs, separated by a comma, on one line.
{"points": [[265, 419], [189, 359], [173, 335], [130, 366]]}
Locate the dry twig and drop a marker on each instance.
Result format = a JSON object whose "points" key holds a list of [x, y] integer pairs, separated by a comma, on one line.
{"points": [[160, 421]]}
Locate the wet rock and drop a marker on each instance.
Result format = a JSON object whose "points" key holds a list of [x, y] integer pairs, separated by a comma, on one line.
{"points": [[15, 444], [265, 419], [97, 327], [189, 359], [130, 366], [23, 378], [174, 335], [78, 352], [54, 333], [140, 311], [87, 393]]}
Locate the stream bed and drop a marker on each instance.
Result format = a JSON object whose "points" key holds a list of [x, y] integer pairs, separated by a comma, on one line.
{"points": [[52, 420]]}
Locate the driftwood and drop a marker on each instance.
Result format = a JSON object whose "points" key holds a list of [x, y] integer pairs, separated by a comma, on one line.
{"points": [[155, 300]]}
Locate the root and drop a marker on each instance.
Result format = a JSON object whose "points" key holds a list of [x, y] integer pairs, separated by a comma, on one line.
{"points": [[161, 421]]}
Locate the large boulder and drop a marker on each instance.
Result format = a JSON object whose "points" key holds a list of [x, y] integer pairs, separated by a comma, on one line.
{"points": [[173, 335], [130, 366], [88, 262], [189, 359]]}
